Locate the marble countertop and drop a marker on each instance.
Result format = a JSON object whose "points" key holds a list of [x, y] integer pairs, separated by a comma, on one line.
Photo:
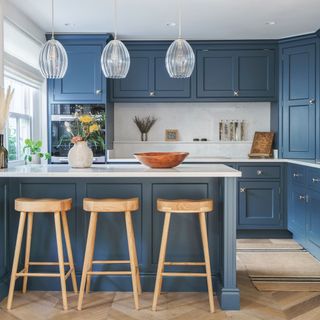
{"points": [[121, 171]]}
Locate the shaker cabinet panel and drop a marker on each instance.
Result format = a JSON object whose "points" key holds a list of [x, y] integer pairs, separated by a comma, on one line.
{"points": [[137, 82], [299, 105], [256, 73], [216, 73], [84, 81], [313, 223], [259, 204]]}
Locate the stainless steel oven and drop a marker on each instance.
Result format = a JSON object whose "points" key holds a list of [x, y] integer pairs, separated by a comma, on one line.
{"points": [[59, 141]]}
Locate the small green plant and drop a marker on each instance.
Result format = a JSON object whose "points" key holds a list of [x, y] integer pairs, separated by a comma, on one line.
{"points": [[34, 147]]}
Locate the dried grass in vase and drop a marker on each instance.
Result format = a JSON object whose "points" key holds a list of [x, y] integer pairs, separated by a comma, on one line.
{"points": [[144, 125]]}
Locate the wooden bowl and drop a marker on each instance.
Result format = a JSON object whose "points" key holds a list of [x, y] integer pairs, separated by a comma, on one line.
{"points": [[161, 159]]}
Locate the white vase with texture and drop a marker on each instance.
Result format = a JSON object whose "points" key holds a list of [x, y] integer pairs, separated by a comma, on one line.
{"points": [[80, 155]]}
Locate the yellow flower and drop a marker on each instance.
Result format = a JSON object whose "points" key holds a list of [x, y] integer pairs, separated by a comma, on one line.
{"points": [[85, 119], [94, 128]]}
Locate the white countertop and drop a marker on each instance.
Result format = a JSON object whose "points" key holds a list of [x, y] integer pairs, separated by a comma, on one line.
{"points": [[121, 171]]}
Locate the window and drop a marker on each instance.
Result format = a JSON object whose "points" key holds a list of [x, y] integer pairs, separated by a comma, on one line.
{"points": [[24, 103]]}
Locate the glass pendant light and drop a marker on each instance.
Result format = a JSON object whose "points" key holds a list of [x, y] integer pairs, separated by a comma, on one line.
{"points": [[53, 59], [115, 58], [180, 58]]}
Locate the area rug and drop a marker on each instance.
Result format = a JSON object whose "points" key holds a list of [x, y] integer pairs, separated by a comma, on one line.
{"points": [[282, 271]]}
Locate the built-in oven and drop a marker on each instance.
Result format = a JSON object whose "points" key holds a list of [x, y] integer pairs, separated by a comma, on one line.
{"points": [[61, 116]]}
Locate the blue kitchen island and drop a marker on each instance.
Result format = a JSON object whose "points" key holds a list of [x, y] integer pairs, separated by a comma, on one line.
{"points": [[194, 181]]}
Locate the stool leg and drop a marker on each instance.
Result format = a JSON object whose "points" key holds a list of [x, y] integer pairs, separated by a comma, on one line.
{"points": [[57, 223], [16, 259], [132, 258], [88, 285], [69, 250], [135, 257], [27, 255], [89, 248], [204, 236], [162, 255]]}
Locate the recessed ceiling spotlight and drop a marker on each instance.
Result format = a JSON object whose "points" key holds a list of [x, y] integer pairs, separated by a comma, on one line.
{"points": [[270, 23], [171, 24]]}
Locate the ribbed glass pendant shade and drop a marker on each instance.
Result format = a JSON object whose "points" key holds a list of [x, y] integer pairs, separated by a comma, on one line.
{"points": [[115, 60], [53, 60], [180, 59]]}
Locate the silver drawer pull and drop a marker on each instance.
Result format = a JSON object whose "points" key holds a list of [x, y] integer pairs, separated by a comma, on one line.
{"points": [[301, 197], [242, 190], [296, 175], [259, 172], [315, 180]]}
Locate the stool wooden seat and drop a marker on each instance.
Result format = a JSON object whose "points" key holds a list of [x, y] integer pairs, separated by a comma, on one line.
{"points": [[27, 207], [95, 206], [200, 207]]}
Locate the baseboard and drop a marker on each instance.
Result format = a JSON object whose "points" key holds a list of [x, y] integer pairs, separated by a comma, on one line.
{"points": [[264, 234]]}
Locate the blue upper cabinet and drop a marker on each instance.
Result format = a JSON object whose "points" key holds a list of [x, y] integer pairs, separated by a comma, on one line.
{"points": [[298, 100], [148, 79], [216, 72], [236, 74], [84, 81]]}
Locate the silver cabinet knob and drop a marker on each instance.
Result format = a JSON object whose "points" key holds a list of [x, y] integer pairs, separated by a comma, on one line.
{"points": [[312, 101], [259, 172], [296, 175], [152, 94], [98, 91], [302, 197], [242, 190], [236, 93], [315, 180]]}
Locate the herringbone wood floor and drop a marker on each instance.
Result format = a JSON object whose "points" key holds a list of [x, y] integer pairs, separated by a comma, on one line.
{"points": [[255, 305]]}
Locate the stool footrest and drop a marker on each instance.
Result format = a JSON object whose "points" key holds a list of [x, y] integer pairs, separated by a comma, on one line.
{"points": [[28, 274], [108, 273], [184, 263], [111, 262], [47, 263], [183, 274]]}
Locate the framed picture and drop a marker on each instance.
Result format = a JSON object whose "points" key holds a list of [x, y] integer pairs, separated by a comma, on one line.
{"points": [[171, 135]]}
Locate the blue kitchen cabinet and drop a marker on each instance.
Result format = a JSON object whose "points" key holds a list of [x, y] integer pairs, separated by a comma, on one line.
{"points": [[298, 100], [237, 74], [148, 79], [84, 81], [313, 222], [259, 204]]}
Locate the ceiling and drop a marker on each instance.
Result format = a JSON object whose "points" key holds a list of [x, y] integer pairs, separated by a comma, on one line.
{"points": [[201, 19]]}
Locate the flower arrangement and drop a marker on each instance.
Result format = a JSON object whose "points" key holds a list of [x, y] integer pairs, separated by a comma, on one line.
{"points": [[86, 127], [5, 100]]}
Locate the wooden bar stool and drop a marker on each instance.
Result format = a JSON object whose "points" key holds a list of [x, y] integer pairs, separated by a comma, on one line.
{"points": [[59, 208], [95, 206], [200, 207]]}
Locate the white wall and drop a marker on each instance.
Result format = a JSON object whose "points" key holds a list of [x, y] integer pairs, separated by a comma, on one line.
{"points": [[193, 120]]}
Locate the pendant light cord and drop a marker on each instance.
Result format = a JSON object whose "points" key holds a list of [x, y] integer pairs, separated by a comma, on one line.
{"points": [[115, 20], [52, 19], [180, 18]]}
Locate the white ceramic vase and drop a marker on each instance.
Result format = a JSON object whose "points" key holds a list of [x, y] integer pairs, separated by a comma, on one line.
{"points": [[80, 155]]}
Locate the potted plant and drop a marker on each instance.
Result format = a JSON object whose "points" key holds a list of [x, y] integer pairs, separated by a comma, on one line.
{"points": [[144, 125], [33, 153], [85, 129]]}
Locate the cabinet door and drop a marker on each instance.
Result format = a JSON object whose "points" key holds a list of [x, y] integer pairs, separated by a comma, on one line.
{"points": [[259, 204], [138, 82], [256, 73], [299, 111], [84, 81], [216, 72], [313, 222], [297, 211], [163, 85]]}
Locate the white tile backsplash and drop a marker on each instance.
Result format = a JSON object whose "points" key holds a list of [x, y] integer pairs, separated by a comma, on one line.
{"points": [[193, 120]]}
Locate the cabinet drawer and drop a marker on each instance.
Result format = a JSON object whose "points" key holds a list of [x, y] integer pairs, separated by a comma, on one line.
{"points": [[260, 172], [297, 174], [313, 179]]}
